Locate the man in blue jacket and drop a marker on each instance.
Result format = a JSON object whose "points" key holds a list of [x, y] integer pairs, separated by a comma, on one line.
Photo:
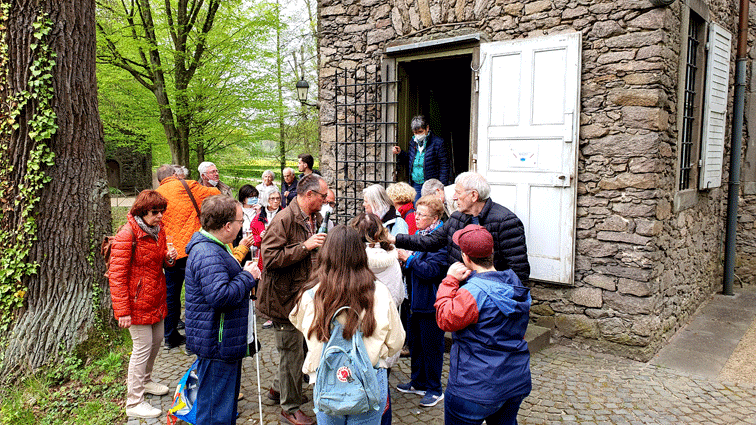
{"points": [[489, 365], [428, 157], [217, 306]]}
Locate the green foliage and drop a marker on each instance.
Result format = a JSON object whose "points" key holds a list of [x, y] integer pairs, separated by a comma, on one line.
{"points": [[86, 387], [16, 240]]}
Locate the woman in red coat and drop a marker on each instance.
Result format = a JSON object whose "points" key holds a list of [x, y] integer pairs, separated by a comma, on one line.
{"points": [[138, 291]]}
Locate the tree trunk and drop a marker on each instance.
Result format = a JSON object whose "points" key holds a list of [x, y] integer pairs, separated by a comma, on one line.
{"points": [[68, 293]]}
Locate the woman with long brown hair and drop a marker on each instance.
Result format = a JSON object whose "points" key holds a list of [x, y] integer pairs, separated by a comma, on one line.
{"points": [[343, 278]]}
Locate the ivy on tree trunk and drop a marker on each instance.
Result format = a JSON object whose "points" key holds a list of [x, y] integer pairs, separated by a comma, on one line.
{"points": [[68, 294]]}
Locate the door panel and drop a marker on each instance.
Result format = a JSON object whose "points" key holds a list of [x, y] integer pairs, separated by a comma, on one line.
{"points": [[527, 149]]}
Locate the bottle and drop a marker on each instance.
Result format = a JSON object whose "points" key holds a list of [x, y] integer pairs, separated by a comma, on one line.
{"points": [[324, 226]]}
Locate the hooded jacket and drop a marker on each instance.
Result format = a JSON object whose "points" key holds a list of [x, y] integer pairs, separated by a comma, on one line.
{"points": [[489, 361], [137, 285], [385, 266], [217, 301], [507, 230]]}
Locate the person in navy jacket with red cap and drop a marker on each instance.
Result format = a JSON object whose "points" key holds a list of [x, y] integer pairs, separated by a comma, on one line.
{"points": [[489, 373]]}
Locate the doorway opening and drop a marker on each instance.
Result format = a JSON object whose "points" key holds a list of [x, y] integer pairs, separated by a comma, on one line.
{"points": [[439, 88]]}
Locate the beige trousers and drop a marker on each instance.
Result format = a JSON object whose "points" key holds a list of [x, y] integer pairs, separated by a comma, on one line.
{"points": [[146, 345]]}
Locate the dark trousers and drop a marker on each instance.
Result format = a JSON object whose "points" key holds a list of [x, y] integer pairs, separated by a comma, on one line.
{"points": [[426, 352], [461, 411], [217, 391], [174, 281]]}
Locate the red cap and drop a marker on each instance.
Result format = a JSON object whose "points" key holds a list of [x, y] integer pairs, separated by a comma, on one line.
{"points": [[474, 240]]}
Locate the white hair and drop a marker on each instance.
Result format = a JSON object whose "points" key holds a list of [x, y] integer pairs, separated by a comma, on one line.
{"points": [[204, 166], [431, 186], [473, 181], [379, 201], [272, 174], [289, 169]]}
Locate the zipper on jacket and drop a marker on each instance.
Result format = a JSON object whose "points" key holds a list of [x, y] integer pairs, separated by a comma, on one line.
{"points": [[220, 329], [139, 289]]}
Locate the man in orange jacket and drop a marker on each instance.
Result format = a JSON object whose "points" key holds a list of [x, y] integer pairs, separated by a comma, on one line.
{"points": [[181, 221]]}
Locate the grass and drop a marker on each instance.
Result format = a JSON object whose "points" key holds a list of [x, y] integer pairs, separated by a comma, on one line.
{"points": [[86, 387]]}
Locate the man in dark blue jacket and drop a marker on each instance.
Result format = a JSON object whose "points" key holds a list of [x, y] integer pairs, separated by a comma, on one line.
{"points": [[489, 365], [475, 207], [428, 157], [217, 308]]}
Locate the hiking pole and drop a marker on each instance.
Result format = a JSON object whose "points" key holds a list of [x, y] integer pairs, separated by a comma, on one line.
{"points": [[257, 360]]}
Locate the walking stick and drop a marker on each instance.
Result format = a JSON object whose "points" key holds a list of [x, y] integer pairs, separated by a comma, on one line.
{"points": [[257, 360]]}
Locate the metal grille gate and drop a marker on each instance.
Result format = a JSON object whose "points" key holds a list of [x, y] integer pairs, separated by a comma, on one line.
{"points": [[365, 132]]}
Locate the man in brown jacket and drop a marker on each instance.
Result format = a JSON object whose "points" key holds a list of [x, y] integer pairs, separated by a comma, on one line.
{"points": [[288, 258]]}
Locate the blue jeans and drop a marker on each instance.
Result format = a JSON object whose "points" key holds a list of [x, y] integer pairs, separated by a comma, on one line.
{"points": [[217, 391], [426, 352], [367, 418], [174, 280], [461, 411], [418, 188]]}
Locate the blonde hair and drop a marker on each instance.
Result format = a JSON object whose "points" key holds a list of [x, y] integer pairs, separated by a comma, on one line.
{"points": [[435, 206], [401, 193]]}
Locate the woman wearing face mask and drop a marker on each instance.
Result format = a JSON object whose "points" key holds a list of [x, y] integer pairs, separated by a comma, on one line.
{"points": [[250, 208], [427, 158]]}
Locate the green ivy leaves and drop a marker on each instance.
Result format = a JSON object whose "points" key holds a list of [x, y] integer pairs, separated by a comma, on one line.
{"points": [[16, 242]]}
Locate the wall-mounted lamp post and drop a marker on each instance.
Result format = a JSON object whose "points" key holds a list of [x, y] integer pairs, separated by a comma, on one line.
{"points": [[302, 88]]}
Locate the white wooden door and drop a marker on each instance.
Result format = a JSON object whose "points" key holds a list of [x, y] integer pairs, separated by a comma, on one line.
{"points": [[528, 140]]}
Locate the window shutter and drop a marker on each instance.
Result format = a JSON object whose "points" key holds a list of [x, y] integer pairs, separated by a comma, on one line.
{"points": [[715, 107]]}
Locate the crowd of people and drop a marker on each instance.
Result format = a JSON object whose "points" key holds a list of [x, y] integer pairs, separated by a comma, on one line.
{"points": [[424, 258]]}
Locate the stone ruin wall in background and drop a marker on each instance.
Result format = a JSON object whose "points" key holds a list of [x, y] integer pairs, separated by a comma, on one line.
{"points": [[641, 268]]}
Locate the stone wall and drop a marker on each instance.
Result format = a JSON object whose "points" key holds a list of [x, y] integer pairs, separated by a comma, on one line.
{"points": [[642, 267], [135, 168]]}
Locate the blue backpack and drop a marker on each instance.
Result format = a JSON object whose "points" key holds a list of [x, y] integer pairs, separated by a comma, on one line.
{"points": [[346, 383]]}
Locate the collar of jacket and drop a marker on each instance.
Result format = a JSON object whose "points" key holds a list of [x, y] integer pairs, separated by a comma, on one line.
{"points": [[207, 234], [483, 213], [390, 215], [299, 216]]}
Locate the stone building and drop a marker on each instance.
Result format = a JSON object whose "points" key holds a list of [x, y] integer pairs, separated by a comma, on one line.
{"points": [[128, 170], [603, 124]]}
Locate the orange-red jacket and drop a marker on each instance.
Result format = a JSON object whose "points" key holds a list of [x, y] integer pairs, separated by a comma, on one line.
{"points": [[137, 285], [180, 218]]}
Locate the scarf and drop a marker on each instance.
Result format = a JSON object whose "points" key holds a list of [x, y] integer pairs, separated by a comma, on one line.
{"points": [[428, 230], [153, 231]]}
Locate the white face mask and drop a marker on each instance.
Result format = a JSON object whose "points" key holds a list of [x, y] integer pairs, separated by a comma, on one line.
{"points": [[325, 209], [420, 138], [213, 182]]}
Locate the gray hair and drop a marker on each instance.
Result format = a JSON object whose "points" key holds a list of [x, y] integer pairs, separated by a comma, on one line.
{"points": [[204, 166], [272, 174], [431, 186], [309, 182], [418, 123], [180, 169], [376, 196], [473, 181], [289, 169], [265, 195], [165, 171]]}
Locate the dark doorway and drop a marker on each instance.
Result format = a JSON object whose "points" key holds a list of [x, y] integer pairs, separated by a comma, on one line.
{"points": [[440, 89]]}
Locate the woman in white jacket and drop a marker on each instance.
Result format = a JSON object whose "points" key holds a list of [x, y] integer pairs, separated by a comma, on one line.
{"points": [[344, 279]]}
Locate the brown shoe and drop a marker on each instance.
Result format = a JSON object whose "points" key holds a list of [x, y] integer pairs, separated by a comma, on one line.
{"points": [[274, 395], [298, 418]]}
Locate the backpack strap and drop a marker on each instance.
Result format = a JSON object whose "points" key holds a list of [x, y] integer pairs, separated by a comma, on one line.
{"points": [[191, 196]]}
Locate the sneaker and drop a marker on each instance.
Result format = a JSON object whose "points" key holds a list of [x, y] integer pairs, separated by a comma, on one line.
{"points": [[409, 389], [143, 410], [268, 324], [181, 325], [155, 389], [431, 400], [241, 396]]}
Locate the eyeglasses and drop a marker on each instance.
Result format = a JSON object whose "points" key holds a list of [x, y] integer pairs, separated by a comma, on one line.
{"points": [[240, 220], [322, 195], [332, 204], [156, 212], [277, 198]]}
